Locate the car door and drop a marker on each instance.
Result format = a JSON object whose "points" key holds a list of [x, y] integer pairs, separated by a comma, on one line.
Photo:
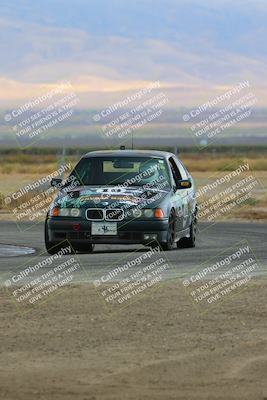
{"points": [[192, 203], [182, 194], [178, 201]]}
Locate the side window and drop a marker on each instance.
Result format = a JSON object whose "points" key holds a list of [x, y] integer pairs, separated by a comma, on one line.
{"points": [[183, 171], [186, 171], [175, 171]]}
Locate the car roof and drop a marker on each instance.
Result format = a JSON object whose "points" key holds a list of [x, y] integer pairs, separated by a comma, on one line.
{"points": [[129, 153]]}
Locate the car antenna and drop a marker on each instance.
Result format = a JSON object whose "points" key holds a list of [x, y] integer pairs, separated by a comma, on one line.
{"points": [[132, 140]]}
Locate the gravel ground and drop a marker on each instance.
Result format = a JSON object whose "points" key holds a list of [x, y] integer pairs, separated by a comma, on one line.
{"points": [[160, 347]]}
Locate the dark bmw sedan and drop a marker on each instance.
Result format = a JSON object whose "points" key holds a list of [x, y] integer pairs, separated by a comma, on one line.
{"points": [[123, 197]]}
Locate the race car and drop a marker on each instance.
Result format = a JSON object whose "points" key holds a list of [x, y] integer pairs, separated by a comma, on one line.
{"points": [[123, 197]]}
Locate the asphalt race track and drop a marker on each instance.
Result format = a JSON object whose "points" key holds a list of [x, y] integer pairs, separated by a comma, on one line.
{"points": [[219, 238]]}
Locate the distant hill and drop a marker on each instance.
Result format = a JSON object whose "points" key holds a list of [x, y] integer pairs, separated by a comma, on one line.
{"points": [[108, 47]]}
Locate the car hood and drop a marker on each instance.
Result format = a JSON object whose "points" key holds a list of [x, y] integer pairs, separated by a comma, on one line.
{"points": [[109, 196]]}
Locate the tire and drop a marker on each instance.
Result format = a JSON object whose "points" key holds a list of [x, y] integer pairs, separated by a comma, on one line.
{"points": [[153, 245], [84, 247], [171, 233], [191, 240], [51, 247]]}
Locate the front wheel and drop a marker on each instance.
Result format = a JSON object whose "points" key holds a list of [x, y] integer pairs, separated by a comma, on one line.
{"points": [[171, 234], [190, 241], [84, 247], [52, 247]]}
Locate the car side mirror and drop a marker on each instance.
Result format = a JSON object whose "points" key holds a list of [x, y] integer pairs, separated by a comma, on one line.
{"points": [[184, 184], [56, 182]]}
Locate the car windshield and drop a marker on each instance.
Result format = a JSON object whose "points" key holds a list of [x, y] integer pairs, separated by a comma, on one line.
{"points": [[126, 171]]}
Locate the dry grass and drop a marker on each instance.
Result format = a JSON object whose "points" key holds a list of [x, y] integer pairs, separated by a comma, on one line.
{"points": [[31, 163], [199, 161], [215, 162], [16, 170]]}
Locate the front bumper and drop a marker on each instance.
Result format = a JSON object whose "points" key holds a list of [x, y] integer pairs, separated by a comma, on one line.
{"points": [[129, 232]]}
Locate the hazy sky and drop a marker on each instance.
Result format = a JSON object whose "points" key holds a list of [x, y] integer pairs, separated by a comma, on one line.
{"points": [[105, 47]]}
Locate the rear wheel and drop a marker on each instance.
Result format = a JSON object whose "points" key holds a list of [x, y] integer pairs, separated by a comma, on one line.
{"points": [[171, 233], [190, 241]]}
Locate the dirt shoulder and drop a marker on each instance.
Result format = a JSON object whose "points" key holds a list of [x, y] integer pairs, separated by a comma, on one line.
{"points": [[160, 347]]}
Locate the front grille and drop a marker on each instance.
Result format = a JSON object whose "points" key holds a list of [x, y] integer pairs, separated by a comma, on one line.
{"points": [[95, 214], [99, 214], [114, 215]]}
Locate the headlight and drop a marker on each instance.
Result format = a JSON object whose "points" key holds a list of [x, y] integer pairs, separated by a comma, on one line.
{"points": [[75, 212], [64, 212], [148, 213], [137, 213]]}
